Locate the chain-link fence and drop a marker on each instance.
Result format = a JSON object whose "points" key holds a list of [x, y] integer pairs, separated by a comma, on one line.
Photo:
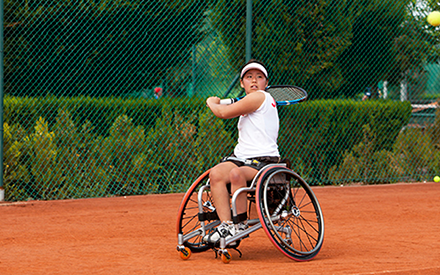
{"points": [[106, 97]]}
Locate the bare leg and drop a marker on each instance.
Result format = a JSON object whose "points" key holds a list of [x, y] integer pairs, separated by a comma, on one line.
{"points": [[239, 178], [219, 178]]}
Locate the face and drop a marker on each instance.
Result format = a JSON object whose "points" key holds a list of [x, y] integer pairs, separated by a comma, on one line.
{"points": [[253, 80]]}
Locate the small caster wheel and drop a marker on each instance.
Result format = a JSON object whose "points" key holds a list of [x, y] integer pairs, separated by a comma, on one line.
{"points": [[185, 253], [226, 257]]}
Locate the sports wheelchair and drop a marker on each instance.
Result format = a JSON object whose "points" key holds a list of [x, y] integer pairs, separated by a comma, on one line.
{"points": [[287, 208]]}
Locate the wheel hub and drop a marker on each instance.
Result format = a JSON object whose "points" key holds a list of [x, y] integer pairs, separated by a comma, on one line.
{"points": [[296, 212]]}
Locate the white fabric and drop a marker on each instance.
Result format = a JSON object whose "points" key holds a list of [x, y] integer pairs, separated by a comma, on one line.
{"points": [[251, 66], [258, 131]]}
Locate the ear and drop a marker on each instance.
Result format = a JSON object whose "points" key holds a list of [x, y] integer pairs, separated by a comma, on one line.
{"points": [[241, 83]]}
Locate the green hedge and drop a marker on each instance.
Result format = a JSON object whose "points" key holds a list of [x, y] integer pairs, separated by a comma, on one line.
{"points": [[78, 152], [315, 135], [83, 147], [100, 112]]}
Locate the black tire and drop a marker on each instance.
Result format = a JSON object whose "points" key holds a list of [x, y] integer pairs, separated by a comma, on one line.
{"points": [[283, 193], [188, 218]]}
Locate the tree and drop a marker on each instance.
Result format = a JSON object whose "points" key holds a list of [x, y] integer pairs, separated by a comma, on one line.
{"points": [[300, 40], [372, 54], [99, 48], [390, 42]]}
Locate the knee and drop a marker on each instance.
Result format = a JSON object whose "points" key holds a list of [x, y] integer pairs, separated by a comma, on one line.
{"points": [[216, 176], [236, 177]]}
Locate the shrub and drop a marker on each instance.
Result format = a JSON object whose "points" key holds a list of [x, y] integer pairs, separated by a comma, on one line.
{"points": [[363, 164], [413, 150], [14, 172]]}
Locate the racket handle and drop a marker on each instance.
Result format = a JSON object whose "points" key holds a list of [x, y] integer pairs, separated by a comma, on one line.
{"points": [[227, 101]]}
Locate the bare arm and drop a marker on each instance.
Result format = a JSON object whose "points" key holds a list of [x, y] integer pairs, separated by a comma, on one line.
{"points": [[248, 104]]}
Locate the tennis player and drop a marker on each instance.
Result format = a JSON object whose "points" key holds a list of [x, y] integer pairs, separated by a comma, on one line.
{"points": [[257, 141]]}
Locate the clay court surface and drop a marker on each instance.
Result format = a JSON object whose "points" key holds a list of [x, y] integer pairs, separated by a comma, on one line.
{"points": [[382, 229]]}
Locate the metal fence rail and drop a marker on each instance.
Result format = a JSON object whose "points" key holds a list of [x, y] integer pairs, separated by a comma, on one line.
{"points": [[106, 97]]}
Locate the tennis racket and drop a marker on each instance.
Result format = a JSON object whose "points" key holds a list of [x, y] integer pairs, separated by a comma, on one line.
{"points": [[283, 95]]}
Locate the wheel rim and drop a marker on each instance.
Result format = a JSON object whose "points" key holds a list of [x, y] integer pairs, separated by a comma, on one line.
{"points": [[299, 232], [188, 215]]}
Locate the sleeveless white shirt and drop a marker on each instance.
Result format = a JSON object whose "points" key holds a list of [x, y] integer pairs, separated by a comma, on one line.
{"points": [[258, 131]]}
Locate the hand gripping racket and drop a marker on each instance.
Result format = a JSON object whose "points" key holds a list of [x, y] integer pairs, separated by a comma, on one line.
{"points": [[283, 95]]}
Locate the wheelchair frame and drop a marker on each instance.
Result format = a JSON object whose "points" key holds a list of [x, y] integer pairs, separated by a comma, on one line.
{"points": [[288, 211]]}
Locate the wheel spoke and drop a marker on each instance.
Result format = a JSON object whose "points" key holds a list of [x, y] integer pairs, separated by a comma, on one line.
{"points": [[293, 225], [188, 217]]}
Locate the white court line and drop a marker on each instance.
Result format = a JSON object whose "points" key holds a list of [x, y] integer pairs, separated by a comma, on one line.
{"points": [[18, 203]]}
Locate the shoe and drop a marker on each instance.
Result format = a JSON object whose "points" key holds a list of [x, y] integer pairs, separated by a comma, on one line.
{"points": [[225, 229]]}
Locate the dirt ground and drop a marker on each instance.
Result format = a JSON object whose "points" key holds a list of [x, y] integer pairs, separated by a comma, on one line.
{"points": [[382, 229]]}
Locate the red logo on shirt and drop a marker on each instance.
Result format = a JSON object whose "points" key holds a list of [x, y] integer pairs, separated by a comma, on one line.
{"points": [[274, 103]]}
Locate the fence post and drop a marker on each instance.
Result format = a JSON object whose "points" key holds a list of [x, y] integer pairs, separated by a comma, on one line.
{"points": [[248, 47], [248, 30], [2, 189]]}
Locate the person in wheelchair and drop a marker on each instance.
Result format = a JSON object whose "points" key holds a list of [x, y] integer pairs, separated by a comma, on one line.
{"points": [[258, 127]]}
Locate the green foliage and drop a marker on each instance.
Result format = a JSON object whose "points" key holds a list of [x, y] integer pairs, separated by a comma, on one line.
{"points": [[82, 177], [435, 162], [372, 54], [435, 130], [14, 171], [208, 149], [317, 31], [40, 147], [412, 158], [115, 139], [332, 48], [92, 47], [172, 141], [364, 164], [124, 156], [318, 133], [325, 140], [101, 112], [414, 151]]}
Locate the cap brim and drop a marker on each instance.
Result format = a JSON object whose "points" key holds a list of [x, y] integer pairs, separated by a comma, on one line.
{"points": [[251, 66]]}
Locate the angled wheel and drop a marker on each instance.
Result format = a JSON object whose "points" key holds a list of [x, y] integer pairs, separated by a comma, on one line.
{"points": [[185, 253], [290, 213], [190, 222], [226, 257]]}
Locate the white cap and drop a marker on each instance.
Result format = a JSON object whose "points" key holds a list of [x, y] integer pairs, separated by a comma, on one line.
{"points": [[251, 66]]}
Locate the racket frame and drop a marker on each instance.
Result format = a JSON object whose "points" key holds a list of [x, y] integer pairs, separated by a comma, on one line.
{"points": [[279, 103]]}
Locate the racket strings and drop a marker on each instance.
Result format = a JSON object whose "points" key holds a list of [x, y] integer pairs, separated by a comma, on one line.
{"points": [[286, 93]]}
